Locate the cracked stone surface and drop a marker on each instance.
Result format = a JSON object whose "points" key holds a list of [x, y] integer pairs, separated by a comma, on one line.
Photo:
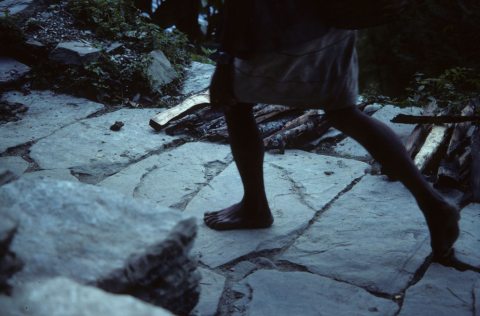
{"points": [[373, 236], [90, 147], [47, 113], [443, 292], [197, 78], [211, 288], [293, 195], [61, 296], [171, 178], [57, 174], [15, 164], [350, 147], [267, 292], [468, 244]]}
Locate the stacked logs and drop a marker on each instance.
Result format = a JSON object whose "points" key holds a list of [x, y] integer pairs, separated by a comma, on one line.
{"points": [[281, 127], [447, 148]]}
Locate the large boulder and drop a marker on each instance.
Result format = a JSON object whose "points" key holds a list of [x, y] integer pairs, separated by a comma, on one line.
{"points": [[161, 70], [75, 53], [102, 238], [11, 70], [197, 78]]}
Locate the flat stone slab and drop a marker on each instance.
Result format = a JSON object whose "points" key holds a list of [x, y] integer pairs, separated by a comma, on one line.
{"points": [[467, 247], [172, 178], [15, 164], [47, 113], [294, 193], [14, 6], [349, 147], [99, 237], [11, 70], [90, 147], [75, 53], [268, 292], [197, 78], [443, 291], [61, 296], [373, 236], [56, 174], [211, 289]]}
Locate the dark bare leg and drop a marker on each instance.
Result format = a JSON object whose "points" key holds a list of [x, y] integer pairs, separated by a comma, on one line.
{"points": [[247, 149], [385, 146]]}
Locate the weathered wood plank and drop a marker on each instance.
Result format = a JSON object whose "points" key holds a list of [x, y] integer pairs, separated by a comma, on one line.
{"points": [[163, 119], [460, 130], [420, 131], [437, 136], [413, 119]]}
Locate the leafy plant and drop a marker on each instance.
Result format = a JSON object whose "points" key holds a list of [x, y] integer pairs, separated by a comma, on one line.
{"points": [[10, 30], [205, 58]]}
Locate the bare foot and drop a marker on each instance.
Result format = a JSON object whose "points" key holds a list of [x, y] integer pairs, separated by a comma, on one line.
{"points": [[240, 216], [444, 231]]}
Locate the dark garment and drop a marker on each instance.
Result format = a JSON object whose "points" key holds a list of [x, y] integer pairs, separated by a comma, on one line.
{"points": [[269, 25]]}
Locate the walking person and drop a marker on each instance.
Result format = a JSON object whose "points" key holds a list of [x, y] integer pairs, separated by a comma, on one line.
{"points": [[288, 56]]}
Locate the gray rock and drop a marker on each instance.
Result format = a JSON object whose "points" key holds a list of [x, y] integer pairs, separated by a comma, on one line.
{"points": [[75, 53], [294, 195], [197, 78], [6, 176], [443, 292], [56, 174], [242, 269], [47, 113], [14, 6], [265, 263], [161, 70], [301, 293], [90, 147], [373, 236], [15, 164], [468, 244], [11, 70], [350, 147], [61, 297], [372, 108], [330, 135], [172, 178], [99, 237], [211, 289]]}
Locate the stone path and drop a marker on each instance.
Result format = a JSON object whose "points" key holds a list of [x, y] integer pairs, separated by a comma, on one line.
{"points": [[344, 242]]}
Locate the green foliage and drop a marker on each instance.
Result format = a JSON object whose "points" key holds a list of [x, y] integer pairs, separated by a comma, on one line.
{"points": [[205, 58], [10, 30]]}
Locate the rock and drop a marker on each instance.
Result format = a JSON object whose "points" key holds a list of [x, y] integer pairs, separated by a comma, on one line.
{"points": [[172, 178], [468, 243], [373, 236], [102, 238], [6, 176], [301, 293], [75, 53], [372, 108], [161, 70], [294, 195], [89, 147], [265, 263], [11, 70], [15, 164], [47, 113], [61, 297], [55, 174], [14, 6], [351, 148], [242, 269], [211, 289], [197, 78], [443, 291]]}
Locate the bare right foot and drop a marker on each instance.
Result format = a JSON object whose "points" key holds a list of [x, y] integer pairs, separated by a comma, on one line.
{"points": [[240, 216]]}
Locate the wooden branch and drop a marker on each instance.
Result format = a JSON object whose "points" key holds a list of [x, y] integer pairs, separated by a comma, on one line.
{"points": [[413, 119], [475, 169], [420, 131], [190, 105], [437, 136]]}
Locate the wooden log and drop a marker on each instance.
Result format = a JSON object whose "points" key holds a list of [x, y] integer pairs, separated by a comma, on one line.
{"points": [[475, 168], [273, 108], [460, 131], [190, 105], [420, 131], [437, 136], [413, 119]]}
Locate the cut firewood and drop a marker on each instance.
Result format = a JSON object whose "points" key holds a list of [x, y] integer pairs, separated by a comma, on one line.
{"points": [[163, 119], [273, 109], [437, 136], [459, 131], [475, 169], [413, 119], [420, 131]]}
